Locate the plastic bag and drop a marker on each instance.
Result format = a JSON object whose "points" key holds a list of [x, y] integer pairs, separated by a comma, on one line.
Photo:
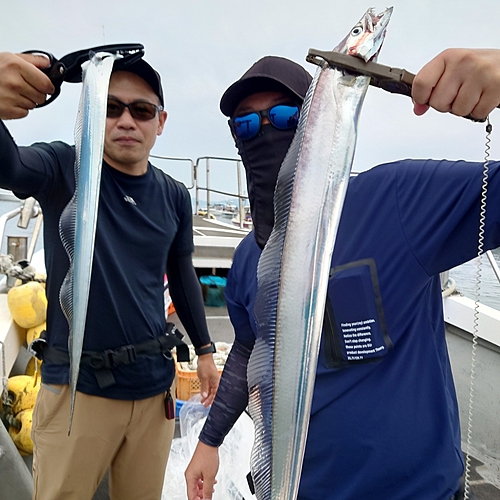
{"points": [[234, 455]]}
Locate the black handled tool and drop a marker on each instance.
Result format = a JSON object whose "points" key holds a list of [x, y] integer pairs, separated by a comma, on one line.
{"points": [[69, 67], [394, 80]]}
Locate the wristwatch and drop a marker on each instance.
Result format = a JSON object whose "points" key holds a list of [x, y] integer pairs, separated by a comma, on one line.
{"points": [[209, 349]]}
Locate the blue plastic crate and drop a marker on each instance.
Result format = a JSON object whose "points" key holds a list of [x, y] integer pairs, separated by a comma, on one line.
{"points": [[213, 288], [178, 406]]}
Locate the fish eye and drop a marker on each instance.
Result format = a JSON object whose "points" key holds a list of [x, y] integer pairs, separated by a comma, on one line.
{"points": [[357, 30]]}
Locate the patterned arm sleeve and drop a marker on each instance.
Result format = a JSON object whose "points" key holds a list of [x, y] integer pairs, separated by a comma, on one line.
{"points": [[232, 396]]}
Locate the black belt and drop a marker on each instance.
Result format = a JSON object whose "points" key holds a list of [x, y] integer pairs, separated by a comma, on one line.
{"points": [[104, 361]]}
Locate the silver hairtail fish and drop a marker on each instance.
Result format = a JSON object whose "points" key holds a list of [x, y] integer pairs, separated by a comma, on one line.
{"points": [[78, 221], [294, 267]]}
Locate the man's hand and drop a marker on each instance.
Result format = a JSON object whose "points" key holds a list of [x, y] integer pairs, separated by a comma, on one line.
{"points": [[22, 84], [201, 471], [209, 378], [459, 81]]}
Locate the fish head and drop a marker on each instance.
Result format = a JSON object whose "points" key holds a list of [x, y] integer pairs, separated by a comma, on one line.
{"points": [[366, 38]]}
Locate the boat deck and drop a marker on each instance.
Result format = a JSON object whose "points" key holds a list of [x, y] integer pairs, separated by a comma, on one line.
{"points": [[484, 480], [214, 243]]}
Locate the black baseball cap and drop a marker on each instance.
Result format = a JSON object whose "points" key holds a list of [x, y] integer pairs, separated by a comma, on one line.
{"points": [[271, 73], [142, 69]]}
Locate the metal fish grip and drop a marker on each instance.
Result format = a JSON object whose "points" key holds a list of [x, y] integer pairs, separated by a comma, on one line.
{"points": [[394, 80]]}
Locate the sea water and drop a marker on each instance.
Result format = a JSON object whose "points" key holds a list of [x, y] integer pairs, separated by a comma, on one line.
{"points": [[466, 277]]}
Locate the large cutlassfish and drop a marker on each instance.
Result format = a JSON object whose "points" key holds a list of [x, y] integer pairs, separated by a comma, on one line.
{"points": [[294, 266], [77, 225]]}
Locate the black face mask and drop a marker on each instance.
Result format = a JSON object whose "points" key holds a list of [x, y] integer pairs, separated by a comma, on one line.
{"points": [[262, 157]]}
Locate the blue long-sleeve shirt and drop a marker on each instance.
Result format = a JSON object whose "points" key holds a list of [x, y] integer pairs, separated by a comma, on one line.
{"points": [[384, 420]]}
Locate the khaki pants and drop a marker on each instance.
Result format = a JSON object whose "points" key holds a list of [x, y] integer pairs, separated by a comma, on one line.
{"points": [[131, 438]]}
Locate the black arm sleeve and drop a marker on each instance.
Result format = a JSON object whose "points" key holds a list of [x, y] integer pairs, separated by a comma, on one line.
{"points": [[31, 171], [185, 291], [231, 398], [12, 169]]}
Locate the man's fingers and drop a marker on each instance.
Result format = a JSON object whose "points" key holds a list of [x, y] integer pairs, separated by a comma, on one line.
{"points": [[22, 84], [208, 392], [426, 79], [15, 113], [484, 106], [38, 60], [460, 81], [195, 490], [29, 69], [208, 490], [420, 109]]}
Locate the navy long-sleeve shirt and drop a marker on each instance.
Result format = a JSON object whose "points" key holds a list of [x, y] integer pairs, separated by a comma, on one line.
{"points": [[384, 420], [144, 226]]}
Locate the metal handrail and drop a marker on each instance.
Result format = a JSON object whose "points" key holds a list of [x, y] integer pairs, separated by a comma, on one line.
{"points": [[192, 164], [239, 194], [6, 217], [28, 210], [493, 264], [196, 176]]}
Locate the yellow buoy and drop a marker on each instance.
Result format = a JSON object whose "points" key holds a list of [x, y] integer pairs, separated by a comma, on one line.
{"points": [[28, 304], [22, 437], [23, 390]]}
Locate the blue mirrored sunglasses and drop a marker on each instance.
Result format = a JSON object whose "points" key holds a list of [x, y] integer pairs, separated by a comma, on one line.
{"points": [[281, 116]]}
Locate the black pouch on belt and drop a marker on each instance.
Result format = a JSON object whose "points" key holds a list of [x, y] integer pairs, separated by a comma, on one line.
{"points": [[169, 406]]}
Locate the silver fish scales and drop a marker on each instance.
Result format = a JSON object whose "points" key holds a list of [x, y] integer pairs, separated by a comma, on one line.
{"points": [[77, 225], [294, 267]]}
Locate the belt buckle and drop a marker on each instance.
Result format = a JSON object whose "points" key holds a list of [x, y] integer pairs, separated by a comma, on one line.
{"points": [[124, 355]]}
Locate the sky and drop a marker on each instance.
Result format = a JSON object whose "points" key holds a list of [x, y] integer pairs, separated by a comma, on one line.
{"points": [[201, 47]]}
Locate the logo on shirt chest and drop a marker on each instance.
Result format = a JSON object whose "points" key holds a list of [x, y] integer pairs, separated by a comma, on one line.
{"points": [[129, 199]]}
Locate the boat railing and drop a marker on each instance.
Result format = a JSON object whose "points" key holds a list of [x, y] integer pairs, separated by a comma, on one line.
{"points": [[4, 218], [199, 179], [17, 245], [239, 194], [493, 264], [190, 184]]}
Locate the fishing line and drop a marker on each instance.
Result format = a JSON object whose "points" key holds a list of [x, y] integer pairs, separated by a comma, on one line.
{"points": [[475, 331]]}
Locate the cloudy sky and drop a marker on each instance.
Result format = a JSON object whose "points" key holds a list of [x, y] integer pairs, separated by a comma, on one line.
{"points": [[201, 46]]}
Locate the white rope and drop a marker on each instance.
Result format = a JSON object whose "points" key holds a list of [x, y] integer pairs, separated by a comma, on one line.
{"points": [[20, 270]]}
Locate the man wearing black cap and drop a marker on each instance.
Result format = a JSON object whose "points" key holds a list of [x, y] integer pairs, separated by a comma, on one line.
{"points": [[124, 411], [384, 419], [282, 85]]}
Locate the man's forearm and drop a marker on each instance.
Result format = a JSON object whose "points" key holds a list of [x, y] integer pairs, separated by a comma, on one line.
{"points": [[186, 294], [232, 396]]}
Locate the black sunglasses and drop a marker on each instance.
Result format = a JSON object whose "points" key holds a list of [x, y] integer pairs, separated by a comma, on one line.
{"points": [[281, 116], [140, 110]]}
